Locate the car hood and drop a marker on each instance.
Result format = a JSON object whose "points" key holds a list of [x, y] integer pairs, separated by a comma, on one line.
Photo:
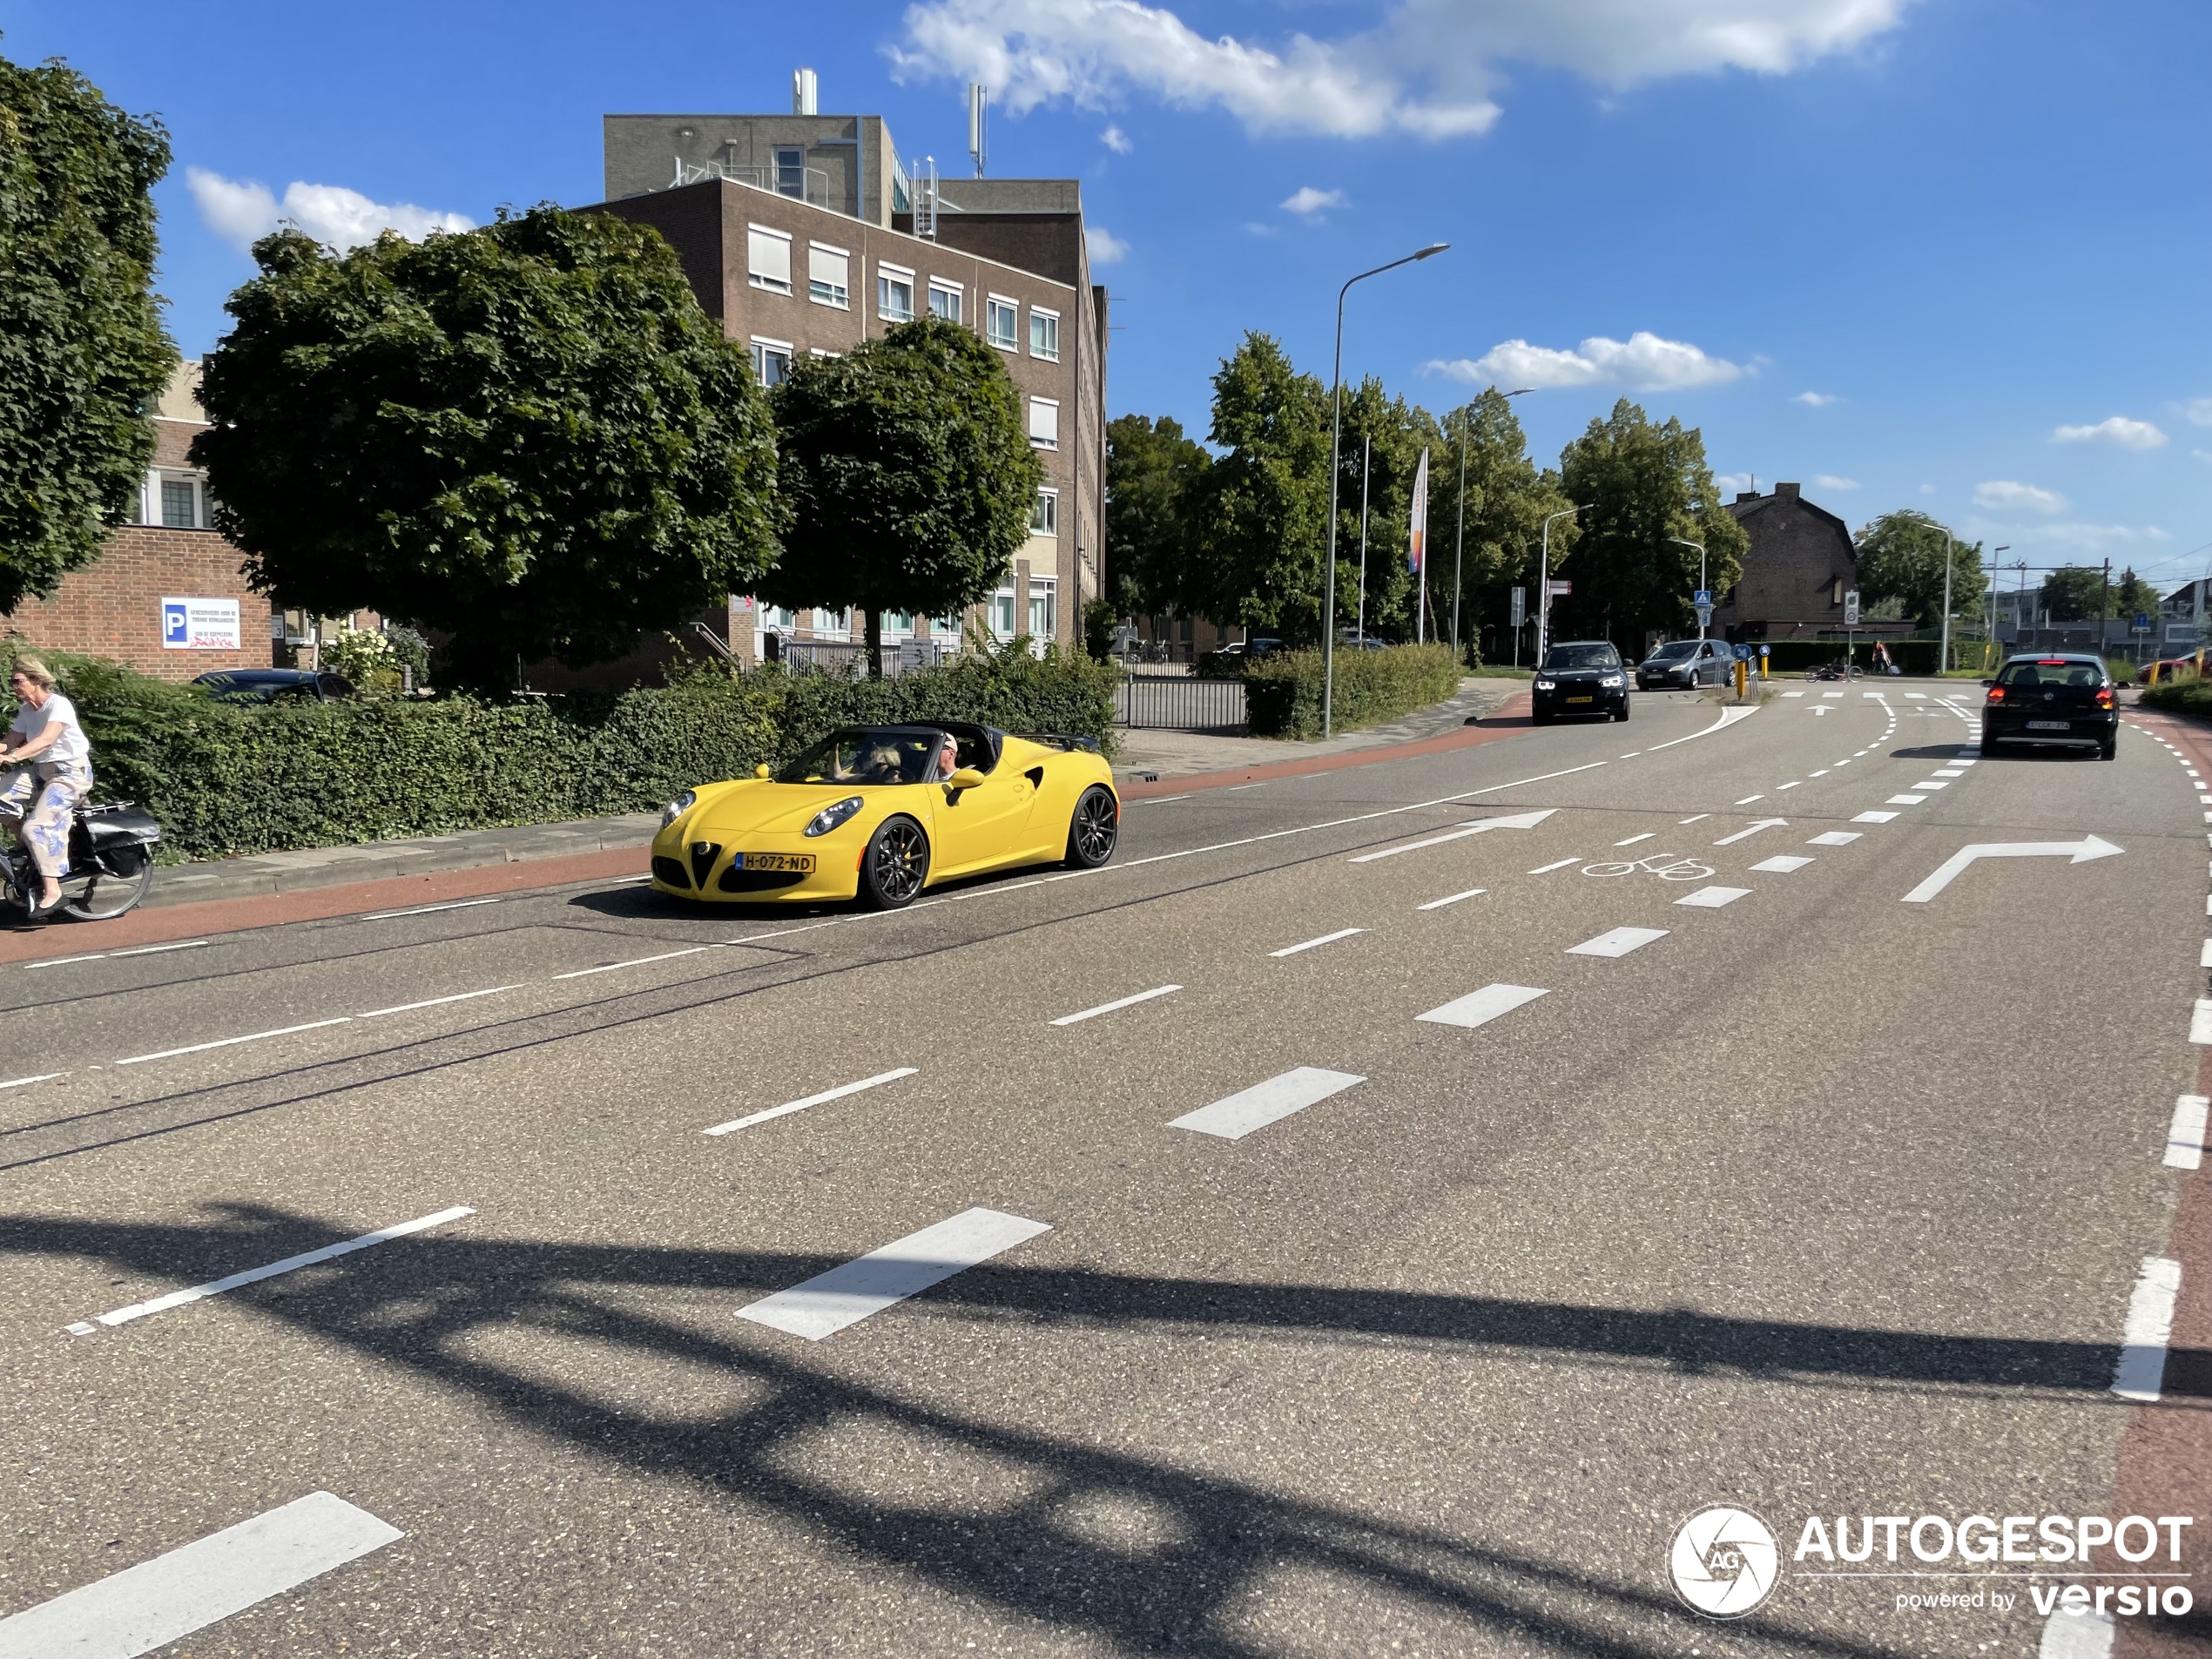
{"points": [[757, 806]]}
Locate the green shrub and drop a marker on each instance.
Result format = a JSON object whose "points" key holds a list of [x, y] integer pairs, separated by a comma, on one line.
{"points": [[225, 778], [2187, 695], [1283, 692]]}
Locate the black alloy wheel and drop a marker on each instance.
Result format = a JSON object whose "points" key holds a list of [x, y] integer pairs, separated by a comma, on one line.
{"points": [[106, 894], [1093, 828], [895, 865], [1623, 715]]}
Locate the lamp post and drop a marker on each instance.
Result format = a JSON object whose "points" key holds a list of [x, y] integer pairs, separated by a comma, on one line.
{"points": [[1544, 585], [1459, 540], [1336, 435], [1700, 546], [1991, 642], [1943, 651]]}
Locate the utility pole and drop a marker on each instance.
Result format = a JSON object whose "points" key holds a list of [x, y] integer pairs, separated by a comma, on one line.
{"points": [[1459, 538], [1366, 470], [1943, 654], [2104, 609], [1544, 586]]}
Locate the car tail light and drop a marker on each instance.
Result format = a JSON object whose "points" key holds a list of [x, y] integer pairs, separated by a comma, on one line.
{"points": [[1996, 694], [2104, 698]]}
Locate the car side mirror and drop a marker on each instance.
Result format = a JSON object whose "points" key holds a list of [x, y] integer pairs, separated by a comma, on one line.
{"points": [[1988, 681], [966, 778], [760, 772]]}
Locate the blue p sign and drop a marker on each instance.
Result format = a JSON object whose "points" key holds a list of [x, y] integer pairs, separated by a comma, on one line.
{"points": [[175, 629]]}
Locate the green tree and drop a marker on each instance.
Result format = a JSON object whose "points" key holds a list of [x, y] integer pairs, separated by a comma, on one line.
{"points": [[1901, 556], [1264, 521], [527, 435], [1507, 500], [1156, 490], [1640, 485], [909, 475], [82, 351], [2076, 593], [2132, 597], [1383, 439]]}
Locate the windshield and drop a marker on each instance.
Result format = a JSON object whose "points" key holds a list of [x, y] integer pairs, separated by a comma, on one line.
{"points": [[1673, 651], [869, 755], [1566, 656], [2053, 671]]}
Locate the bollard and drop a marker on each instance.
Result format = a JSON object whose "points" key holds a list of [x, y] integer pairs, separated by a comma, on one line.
{"points": [[1742, 677]]}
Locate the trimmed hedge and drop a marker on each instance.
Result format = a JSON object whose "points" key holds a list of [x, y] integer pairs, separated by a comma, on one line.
{"points": [[225, 779], [2190, 696], [1283, 692]]}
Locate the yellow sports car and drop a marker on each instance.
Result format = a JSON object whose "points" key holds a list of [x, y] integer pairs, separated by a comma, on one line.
{"points": [[881, 811]]}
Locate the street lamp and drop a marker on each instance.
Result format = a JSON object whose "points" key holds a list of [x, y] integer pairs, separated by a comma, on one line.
{"points": [[1544, 585], [1700, 546], [1992, 604], [1943, 654], [1458, 541], [1336, 434]]}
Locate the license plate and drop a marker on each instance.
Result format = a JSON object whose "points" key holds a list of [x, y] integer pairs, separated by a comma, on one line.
{"points": [[1581, 699], [802, 862], [2049, 725]]}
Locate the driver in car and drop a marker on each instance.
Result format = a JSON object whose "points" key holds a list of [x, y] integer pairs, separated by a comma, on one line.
{"points": [[947, 758]]}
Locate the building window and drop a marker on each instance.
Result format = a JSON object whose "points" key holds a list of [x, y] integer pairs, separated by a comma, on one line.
{"points": [[897, 623], [791, 171], [179, 504], [1001, 613], [894, 293], [771, 361], [826, 276], [1041, 594], [1001, 317], [1835, 590], [1044, 334], [768, 259], [944, 301], [1044, 513], [776, 619], [1044, 422]]}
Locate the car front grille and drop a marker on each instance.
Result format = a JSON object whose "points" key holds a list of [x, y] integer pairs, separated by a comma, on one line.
{"points": [[703, 856]]}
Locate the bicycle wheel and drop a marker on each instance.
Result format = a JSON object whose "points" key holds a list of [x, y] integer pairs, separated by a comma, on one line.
{"points": [[104, 894]]}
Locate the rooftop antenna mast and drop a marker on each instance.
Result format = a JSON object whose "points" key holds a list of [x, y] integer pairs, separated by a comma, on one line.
{"points": [[804, 91], [978, 105]]}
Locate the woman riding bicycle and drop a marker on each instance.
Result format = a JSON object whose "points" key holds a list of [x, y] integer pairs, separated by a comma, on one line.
{"points": [[51, 775]]}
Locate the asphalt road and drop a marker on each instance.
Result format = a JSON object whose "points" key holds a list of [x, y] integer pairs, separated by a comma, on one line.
{"points": [[1815, 1201]]}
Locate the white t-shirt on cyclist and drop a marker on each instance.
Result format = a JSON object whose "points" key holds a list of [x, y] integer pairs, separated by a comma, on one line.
{"points": [[67, 749]]}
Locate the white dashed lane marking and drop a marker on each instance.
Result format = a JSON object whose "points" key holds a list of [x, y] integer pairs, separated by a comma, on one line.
{"points": [[1452, 898], [1874, 817], [1835, 838], [2185, 1137], [1238, 1114], [827, 1303], [1118, 1003], [1712, 897], [1782, 864], [824, 1098], [1310, 944], [2142, 1373], [1619, 943], [1481, 1007]]}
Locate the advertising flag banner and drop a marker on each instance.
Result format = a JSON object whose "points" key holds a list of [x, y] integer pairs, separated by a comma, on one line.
{"points": [[1417, 546]]}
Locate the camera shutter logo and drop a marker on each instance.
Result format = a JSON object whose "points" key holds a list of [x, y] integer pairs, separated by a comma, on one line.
{"points": [[1724, 1561]]}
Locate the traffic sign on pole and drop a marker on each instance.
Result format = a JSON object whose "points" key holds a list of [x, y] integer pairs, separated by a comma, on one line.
{"points": [[1702, 598], [1850, 608], [1558, 588], [1520, 606]]}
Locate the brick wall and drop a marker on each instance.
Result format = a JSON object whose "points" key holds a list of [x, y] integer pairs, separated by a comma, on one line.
{"points": [[112, 607]]}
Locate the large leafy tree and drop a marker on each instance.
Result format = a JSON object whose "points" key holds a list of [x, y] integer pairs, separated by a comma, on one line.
{"points": [[1507, 500], [1380, 450], [1640, 483], [1156, 490], [2074, 593], [1901, 557], [909, 475], [82, 347], [526, 435], [1263, 530], [2132, 597]]}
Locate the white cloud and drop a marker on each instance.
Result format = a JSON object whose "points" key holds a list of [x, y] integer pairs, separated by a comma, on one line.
{"points": [[243, 211], [1731, 483], [1829, 481], [1815, 400], [1428, 68], [2118, 430], [1643, 361], [1306, 201], [2002, 495], [1927, 490], [2202, 454], [1105, 248], [2069, 538], [2199, 409], [1116, 140]]}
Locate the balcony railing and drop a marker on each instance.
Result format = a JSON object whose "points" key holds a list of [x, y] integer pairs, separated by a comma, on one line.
{"points": [[814, 186]]}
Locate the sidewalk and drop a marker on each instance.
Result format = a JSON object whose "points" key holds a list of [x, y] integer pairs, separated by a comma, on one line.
{"points": [[1148, 756]]}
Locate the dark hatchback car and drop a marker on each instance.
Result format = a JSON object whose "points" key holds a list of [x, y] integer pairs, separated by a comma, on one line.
{"points": [[1684, 664], [274, 686], [1580, 677], [2064, 700]]}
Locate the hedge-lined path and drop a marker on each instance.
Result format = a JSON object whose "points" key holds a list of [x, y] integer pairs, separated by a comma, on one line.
{"points": [[1147, 755]]}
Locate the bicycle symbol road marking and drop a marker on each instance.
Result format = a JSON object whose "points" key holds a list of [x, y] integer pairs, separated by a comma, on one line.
{"points": [[1667, 866]]}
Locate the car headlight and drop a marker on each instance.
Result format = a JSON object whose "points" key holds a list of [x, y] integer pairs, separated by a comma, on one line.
{"points": [[1547, 685], [1613, 679], [677, 807], [830, 817]]}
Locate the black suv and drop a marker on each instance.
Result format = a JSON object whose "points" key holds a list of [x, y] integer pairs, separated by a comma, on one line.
{"points": [[1582, 676], [2062, 700]]}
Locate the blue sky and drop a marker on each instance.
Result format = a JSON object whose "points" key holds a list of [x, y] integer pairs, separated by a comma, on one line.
{"points": [[1952, 255]]}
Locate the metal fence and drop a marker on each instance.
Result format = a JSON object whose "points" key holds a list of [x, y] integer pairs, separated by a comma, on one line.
{"points": [[843, 656], [1180, 703]]}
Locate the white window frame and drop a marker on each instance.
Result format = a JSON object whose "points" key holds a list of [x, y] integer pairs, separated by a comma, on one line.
{"points": [[1052, 440], [1004, 596], [767, 284], [761, 346], [840, 295], [1045, 590], [991, 305], [952, 291], [154, 511], [1046, 508], [885, 276], [1039, 313]]}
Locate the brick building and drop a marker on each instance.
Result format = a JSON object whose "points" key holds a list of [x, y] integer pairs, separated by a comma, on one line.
{"points": [[805, 234], [165, 597], [1800, 564]]}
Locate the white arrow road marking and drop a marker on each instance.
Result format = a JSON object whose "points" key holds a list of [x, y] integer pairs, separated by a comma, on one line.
{"points": [[1746, 834], [154, 1603], [1518, 820], [2081, 852], [1820, 708]]}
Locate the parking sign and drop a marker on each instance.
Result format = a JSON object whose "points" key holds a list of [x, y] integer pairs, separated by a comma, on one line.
{"points": [[176, 625]]}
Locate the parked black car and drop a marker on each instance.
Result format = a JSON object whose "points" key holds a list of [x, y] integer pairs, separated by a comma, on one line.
{"points": [[2058, 699], [1684, 664], [274, 686], [1580, 677]]}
